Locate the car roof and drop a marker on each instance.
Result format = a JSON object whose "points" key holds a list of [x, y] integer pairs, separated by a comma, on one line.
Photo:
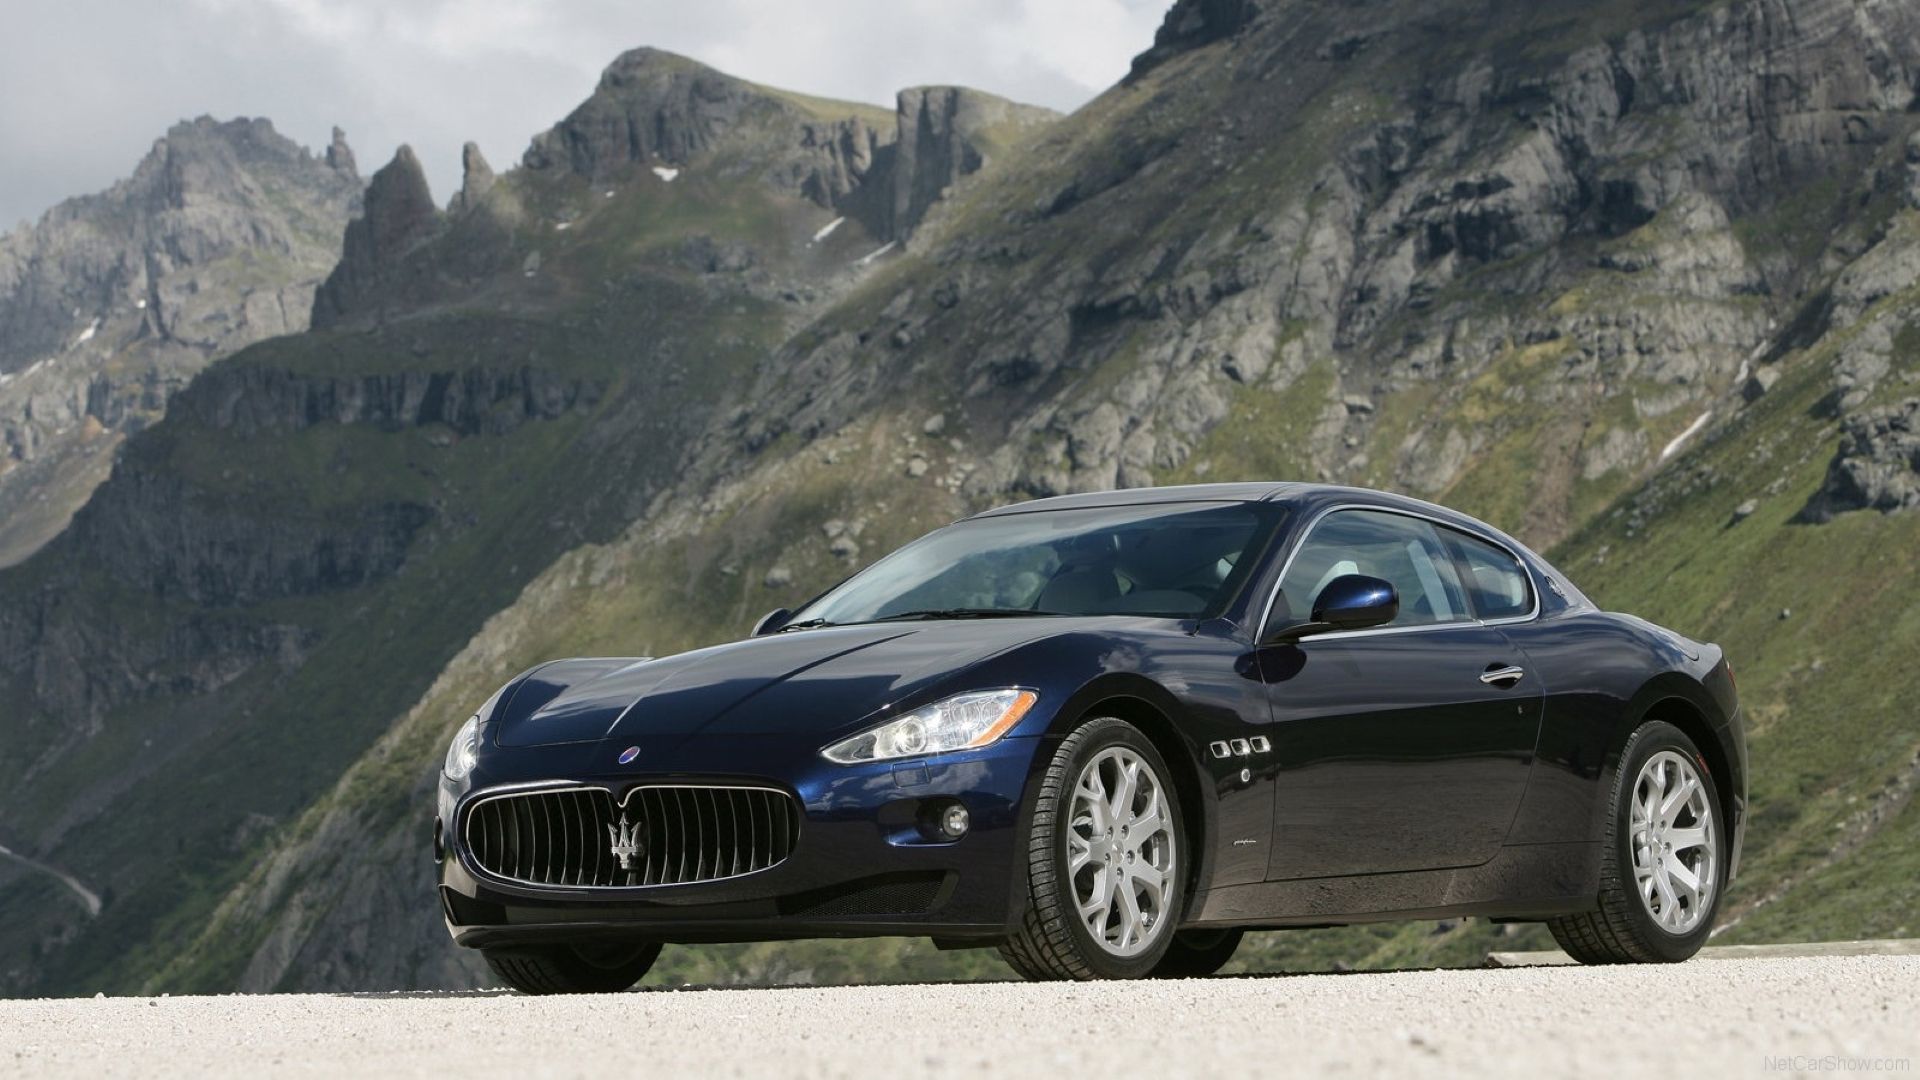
{"points": [[1241, 492], [1307, 494], [1309, 498]]}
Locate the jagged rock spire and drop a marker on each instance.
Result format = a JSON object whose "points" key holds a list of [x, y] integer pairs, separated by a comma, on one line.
{"points": [[340, 155], [946, 133], [398, 213], [476, 179]]}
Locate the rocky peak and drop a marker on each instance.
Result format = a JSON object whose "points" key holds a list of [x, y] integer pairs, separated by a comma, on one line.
{"points": [[650, 106], [205, 190], [399, 208], [476, 179], [112, 301], [1192, 23], [398, 214], [652, 116], [340, 156], [656, 109]]}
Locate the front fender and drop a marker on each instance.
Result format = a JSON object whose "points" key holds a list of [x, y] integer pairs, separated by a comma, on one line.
{"points": [[1182, 690]]}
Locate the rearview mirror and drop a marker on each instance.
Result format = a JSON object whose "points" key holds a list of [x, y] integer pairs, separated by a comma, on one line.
{"points": [[1349, 602], [771, 622]]}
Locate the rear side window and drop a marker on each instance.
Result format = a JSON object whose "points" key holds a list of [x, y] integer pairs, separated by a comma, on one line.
{"points": [[1498, 584]]}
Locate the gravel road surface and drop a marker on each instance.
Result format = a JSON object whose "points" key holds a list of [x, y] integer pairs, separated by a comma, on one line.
{"points": [[1708, 1017]]}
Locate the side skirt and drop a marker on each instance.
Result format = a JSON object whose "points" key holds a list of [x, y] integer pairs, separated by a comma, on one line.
{"points": [[1530, 881]]}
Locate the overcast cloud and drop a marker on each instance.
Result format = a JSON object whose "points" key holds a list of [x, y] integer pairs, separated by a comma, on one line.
{"points": [[87, 85]]}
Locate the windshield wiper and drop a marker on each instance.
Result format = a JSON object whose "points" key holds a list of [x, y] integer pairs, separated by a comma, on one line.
{"points": [[805, 624], [967, 613]]}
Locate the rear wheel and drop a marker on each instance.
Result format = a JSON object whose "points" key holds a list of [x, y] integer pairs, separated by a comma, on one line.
{"points": [[1103, 866], [1195, 954], [596, 968], [1662, 863]]}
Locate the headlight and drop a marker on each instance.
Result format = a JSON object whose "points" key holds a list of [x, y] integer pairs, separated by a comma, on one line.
{"points": [[961, 722], [464, 750]]}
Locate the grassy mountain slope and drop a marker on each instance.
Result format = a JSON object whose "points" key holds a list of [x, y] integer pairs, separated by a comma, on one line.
{"points": [[1821, 620], [1420, 244], [1505, 264], [281, 566]]}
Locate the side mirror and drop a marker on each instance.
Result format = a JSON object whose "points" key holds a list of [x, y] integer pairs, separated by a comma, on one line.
{"points": [[771, 622], [1349, 602]]}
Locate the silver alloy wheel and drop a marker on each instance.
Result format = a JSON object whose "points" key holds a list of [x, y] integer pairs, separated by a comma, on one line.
{"points": [[1121, 851], [1674, 853]]}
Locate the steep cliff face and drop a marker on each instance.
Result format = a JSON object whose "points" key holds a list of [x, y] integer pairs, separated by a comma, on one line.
{"points": [[943, 135], [1445, 260], [113, 302], [1613, 275]]}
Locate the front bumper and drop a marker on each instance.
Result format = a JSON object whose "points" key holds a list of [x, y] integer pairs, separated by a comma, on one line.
{"points": [[861, 866]]}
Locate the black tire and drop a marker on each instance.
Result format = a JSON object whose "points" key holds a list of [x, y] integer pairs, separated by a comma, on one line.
{"points": [[1196, 954], [1621, 930], [1051, 942], [573, 969]]}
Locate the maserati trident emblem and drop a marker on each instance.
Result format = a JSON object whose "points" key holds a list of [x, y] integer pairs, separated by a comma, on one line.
{"points": [[626, 841]]}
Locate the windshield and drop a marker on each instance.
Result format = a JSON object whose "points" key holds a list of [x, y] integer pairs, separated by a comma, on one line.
{"points": [[1178, 560]]}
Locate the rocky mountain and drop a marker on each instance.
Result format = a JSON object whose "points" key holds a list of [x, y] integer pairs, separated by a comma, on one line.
{"points": [[113, 302], [1636, 280]]}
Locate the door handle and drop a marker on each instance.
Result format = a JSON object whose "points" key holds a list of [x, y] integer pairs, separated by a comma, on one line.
{"points": [[1502, 676]]}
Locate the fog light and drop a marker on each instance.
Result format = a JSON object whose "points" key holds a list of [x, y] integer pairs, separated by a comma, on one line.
{"points": [[954, 821]]}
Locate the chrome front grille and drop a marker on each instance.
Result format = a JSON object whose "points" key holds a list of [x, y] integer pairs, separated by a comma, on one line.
{"points": [[669, 835]]}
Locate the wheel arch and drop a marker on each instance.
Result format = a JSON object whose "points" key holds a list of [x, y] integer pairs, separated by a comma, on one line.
{"points": [[1685, 704], [1153, 710]]}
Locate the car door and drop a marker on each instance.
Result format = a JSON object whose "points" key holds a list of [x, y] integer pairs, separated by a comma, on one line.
{"points": [[1402, 747]]}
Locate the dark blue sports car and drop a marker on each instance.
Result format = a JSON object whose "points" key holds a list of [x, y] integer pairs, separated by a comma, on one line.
{"points": [[1108, 734]]}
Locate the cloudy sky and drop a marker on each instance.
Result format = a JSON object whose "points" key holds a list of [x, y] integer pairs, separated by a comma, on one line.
{"points": [[86, 85]]}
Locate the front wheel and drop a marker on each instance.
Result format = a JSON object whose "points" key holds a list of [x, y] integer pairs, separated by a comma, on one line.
{"points": [[1103, 865], [573, 969], [1663, 862]]}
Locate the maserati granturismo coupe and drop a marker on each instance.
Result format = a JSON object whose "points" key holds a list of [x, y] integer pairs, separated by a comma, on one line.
{"points": [[1108, 734]]}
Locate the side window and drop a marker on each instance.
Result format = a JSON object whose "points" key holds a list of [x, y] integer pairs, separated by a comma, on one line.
{"points": [[1403, 550], [1497, 582]]}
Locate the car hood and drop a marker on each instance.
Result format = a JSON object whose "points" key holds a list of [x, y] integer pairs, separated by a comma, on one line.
{"points": [[819, 681]]}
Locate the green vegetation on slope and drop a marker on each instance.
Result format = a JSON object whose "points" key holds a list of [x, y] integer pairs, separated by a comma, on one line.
{"points": [[304, 679], [695, 572], [1821, 623]]}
